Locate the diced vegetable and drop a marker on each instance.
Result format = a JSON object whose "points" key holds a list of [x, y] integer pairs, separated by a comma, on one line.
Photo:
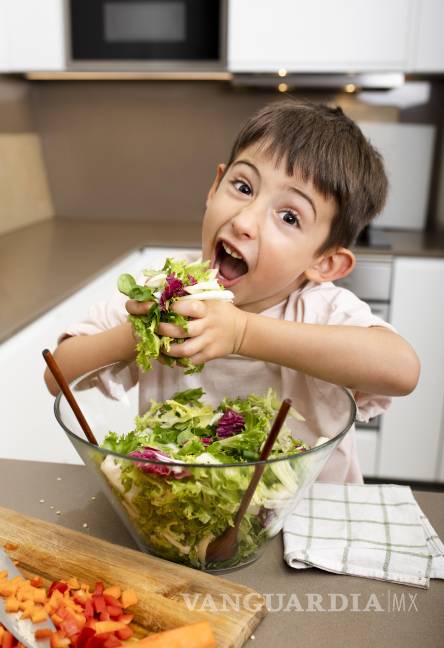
{"points": [[83, 619], [129, 597], [43, 633], [78, 614]]}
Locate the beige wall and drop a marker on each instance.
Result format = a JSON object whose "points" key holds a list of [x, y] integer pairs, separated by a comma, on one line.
{"points": [[138, 150], [143, 150], [24, 191]]}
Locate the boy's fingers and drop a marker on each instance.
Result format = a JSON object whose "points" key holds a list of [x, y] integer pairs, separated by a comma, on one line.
{"points": [[190, 308], [185, 349], [137, 308], [172, 330]]}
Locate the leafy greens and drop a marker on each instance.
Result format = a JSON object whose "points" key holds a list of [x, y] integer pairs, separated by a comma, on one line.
{"points": [[177, 280], [178, 509]]}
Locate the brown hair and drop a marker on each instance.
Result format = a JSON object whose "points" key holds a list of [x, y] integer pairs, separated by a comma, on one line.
{"points": [[327, 148]]}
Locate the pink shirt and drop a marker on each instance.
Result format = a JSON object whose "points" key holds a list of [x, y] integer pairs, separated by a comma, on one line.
{"points": [[235, 375]]}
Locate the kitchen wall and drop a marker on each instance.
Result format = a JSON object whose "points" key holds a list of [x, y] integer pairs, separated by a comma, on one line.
{"points": [[24, 190], [145, 150]]}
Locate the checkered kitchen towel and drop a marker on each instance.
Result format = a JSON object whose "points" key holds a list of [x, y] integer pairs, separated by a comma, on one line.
{"points": [[375, 531]]}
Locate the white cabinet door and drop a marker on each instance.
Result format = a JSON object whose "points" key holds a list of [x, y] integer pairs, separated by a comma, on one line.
{"points": [[35, 34], [320, 35], [411, 428], [427, 53], [367, 447], [4, 48]]}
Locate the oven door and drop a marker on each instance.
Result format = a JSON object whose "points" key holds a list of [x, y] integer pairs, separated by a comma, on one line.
{"points": [[153, 30]]}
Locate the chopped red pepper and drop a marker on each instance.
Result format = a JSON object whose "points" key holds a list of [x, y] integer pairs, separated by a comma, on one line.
{"points": [[57, 585]]}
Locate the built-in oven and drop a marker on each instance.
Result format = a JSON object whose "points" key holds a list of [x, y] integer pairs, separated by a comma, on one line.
{"points": [[148, 31]]}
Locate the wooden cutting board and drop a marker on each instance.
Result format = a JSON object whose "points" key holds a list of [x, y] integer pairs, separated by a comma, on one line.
{"points": [[54, 552]]}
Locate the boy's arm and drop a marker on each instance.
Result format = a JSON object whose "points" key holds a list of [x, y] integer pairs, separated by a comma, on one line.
{"points": [[82, 353], [369, 359]]}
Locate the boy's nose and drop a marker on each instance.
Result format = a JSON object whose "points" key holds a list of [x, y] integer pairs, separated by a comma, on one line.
{"points": [[245, 223]]}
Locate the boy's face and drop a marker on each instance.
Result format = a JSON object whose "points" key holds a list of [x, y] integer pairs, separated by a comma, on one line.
{"points": [[275, 222]]}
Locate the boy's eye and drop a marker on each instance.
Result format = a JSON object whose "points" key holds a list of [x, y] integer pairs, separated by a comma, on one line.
{"points": [[290, 218], [242, 187]]}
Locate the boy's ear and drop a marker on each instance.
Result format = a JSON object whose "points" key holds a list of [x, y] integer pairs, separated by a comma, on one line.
{"points": [[216, 182], [332, 265]]}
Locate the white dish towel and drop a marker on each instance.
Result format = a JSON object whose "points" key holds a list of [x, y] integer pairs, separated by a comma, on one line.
{"points": [[375, 531]]}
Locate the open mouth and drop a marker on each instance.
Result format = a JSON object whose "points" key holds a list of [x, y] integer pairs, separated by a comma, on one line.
{"points": [[230, 264]]}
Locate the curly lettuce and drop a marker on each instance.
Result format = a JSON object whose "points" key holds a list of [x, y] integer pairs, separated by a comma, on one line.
{"points": [[177, 509], [178, 280]]}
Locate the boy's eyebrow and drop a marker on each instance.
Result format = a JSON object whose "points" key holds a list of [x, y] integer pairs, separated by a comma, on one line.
{"points": [[307, 198], [294, 189]]}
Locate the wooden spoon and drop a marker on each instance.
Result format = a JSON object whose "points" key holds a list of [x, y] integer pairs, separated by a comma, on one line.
{"points": [[226, 545], [62, 383]]}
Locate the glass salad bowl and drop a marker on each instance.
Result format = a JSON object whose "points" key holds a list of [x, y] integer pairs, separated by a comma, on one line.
{"points": [[174, 508]]}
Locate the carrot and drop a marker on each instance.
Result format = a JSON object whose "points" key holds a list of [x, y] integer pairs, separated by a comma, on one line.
{"points": [[43, 633], [197, 635], [108, 626], [129, 597], [10, 546], [80, 615], [114, 590]]}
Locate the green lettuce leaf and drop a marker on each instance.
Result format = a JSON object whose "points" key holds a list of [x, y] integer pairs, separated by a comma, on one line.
{"points": [[178, 518], [150, 345]]}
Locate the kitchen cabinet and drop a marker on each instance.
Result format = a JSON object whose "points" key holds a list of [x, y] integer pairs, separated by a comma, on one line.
{"points": [[4, 50], [26, 405], [427, 51], [411, 430], [319, 36], [32, 35], [367, 447]]}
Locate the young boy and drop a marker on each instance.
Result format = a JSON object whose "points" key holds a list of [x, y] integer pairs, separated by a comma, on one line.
{"points": [[300, 184]]}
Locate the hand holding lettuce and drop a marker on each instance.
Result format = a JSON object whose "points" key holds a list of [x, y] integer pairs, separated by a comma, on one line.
{"points": [[178, 280]]}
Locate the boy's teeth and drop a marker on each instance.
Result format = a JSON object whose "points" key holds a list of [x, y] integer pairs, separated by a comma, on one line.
{"points": [[231, 252]]}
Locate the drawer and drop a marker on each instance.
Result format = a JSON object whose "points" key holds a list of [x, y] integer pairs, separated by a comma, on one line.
{"points": [[371, 278]]}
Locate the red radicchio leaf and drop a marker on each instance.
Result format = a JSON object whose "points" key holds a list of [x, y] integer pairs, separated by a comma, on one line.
{"points": [[158, 469], [173, 288], [229, 424], [206, 440]]}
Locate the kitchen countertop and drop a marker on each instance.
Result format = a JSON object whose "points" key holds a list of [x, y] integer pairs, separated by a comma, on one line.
{"points": [[42, 264], [32, 488]]}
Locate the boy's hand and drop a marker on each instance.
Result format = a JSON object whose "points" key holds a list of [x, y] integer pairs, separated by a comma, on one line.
{"points": [[216, 329], [137, 308], [134, 307]]}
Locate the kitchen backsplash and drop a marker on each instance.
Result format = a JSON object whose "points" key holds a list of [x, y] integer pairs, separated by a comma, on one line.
{"points": [[145, 150], [137, 150]]}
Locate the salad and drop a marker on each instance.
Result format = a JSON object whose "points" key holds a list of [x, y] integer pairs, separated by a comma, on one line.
{"points": [[178, 280], [191, 494]]}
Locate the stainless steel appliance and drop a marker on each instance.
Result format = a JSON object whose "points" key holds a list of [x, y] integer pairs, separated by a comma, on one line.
{"points": [[146, 30]]}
